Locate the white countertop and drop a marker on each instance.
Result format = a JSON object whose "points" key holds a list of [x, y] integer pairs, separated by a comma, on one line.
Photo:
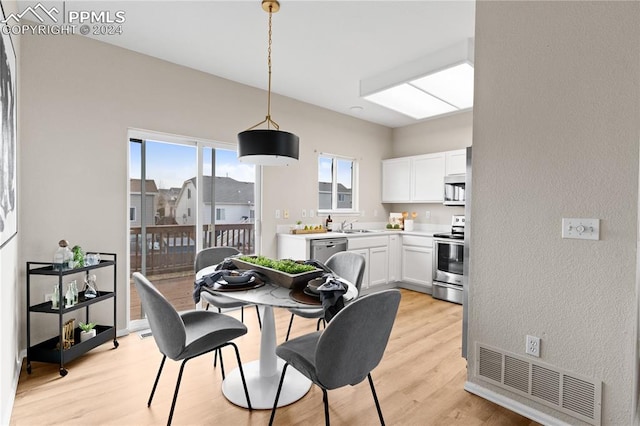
{"points": [[324, 235]]}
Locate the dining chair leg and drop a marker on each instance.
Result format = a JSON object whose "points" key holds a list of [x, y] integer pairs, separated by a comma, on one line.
{"points": [[218, 351], [324, 324], [242, 314], [244, 382], [155, 384], [221, 362], [175, 392], [259, 320], [375, 398], [275, 402], [325, 399], [286, 339]]}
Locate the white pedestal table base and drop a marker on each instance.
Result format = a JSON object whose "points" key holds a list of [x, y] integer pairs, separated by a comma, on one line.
{"points": [[262, 390]]}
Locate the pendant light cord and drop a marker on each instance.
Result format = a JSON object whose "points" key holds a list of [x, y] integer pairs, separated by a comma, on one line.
{"points": [[268, 119], [269, 65]]}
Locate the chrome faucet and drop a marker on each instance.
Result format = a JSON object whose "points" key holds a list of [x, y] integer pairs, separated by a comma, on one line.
{"points": [[346, 222]]}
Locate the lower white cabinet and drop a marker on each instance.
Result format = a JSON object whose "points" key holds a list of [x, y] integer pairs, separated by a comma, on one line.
{"points": [[378, 266], [376, 253], [395, 272], [417, 261], [365, 277]]}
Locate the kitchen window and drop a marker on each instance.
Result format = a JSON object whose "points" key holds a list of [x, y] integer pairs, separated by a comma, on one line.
{"points": [[337, 191]]}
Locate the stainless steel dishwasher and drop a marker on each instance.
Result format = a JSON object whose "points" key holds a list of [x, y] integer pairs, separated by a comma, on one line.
{"points": [[322, 249]]}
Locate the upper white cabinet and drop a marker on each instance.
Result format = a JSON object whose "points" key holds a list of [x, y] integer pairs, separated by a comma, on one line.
{"points": [[456, 162], [416, 179], [396, 180], [427, 178]]}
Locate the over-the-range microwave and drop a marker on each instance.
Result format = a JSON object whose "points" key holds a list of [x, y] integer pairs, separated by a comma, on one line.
{"points": [[454, 194]]}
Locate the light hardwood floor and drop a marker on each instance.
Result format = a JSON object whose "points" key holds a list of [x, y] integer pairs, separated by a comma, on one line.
{"points": [[419, 382]]}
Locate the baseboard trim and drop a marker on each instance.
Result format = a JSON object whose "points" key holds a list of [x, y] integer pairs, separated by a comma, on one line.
{"points": [[415, 287], [513, 405]]}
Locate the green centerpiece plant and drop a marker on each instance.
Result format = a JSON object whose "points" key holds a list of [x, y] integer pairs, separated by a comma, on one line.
{"points": [[285, 273]]}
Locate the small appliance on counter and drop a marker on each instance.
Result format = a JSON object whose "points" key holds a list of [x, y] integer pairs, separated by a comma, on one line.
{"points": [[454, 190], [448, 261]]}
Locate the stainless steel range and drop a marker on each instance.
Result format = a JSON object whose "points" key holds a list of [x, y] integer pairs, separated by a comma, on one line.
{"points": [[448, 262]]}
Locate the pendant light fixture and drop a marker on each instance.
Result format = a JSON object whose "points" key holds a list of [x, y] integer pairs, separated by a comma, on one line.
{"points": [[268, 147]]}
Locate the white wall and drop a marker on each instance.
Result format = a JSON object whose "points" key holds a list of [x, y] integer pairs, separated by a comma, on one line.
{"points": [[81, 96], [555, 134], [11, 287]]}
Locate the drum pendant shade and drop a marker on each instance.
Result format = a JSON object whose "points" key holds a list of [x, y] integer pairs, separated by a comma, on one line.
{"points": [[268, 147]]}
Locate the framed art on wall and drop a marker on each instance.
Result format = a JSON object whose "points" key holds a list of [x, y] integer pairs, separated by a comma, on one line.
{"points": [[8, 152]]}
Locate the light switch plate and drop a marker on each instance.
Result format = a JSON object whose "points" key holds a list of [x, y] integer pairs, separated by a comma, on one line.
{"points": [[581, 229]]}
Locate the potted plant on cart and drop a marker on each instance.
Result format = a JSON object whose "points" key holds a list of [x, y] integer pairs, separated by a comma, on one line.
{"points": [[88, 331]]}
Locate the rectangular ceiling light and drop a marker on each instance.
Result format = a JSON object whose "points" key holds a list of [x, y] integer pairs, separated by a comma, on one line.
{"points": [[436, 84], [454, 85], [410, 101]]}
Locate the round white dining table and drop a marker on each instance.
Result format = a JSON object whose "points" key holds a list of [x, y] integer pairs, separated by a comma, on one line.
{"points": [[263, 375]]}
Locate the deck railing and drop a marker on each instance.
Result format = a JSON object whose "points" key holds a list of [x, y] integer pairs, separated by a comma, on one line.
{"points": [[172, 248]]}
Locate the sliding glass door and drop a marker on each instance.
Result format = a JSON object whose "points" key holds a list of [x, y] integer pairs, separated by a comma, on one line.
{"points": [[184, 196]]}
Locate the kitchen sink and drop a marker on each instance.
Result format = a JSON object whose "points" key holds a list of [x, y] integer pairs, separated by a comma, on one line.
{"points": [[358, 231]]}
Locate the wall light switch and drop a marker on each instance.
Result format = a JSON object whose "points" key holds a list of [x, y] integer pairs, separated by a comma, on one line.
{"points": [[581, 229], [277, 214], [311, 213], [304, 213]]}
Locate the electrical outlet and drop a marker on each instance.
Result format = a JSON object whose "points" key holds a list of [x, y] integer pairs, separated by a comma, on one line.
{"points": [[427, 214], [286, 214], [311, 213], [304, 213], [533, 346], [277, 214]]}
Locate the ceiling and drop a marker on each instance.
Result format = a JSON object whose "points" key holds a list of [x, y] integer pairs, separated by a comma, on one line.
{"points": [[321, 49]]}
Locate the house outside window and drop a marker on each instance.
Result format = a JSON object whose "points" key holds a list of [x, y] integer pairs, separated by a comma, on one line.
{"points": [[189, 194], [337, 187], [220, 214], [132, 214]]}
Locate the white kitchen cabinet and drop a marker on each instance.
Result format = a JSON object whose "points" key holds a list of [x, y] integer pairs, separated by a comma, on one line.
{"points": [[396, 180], [427, 178], [417, 261], [378, 266], [456, 162], [416, 179], [376, 253], [365, 276], [395, 253]]}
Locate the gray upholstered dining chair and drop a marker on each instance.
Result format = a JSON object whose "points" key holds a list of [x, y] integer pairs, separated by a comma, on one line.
{"points": [[347, 350], [212, 256], [345, 264], [182, 337]]}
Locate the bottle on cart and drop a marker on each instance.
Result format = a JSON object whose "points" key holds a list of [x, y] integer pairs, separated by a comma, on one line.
{"points": [[74, 289], [68, 297], [55, 299], [329, 224], [63, 257]]}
